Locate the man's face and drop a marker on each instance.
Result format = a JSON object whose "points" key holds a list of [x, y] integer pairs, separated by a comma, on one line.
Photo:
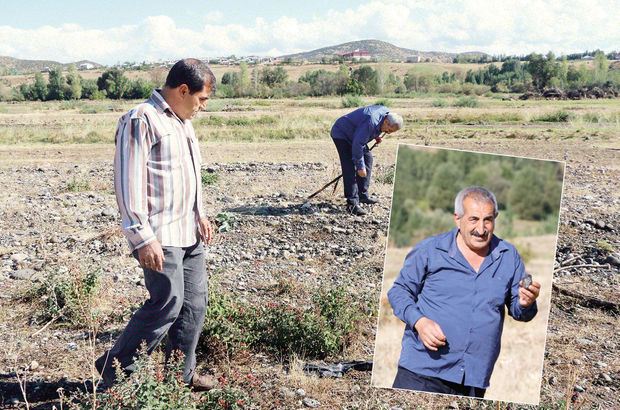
{"points": [[387, 128], [477, 223], [192, 103]]}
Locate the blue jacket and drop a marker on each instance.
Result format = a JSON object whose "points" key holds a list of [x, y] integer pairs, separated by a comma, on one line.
{"points": [[437, 282], [358, 128]]}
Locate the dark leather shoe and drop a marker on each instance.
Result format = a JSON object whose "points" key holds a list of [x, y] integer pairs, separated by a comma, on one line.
{"points": [[370, 200], [203, 382], [355, 210]]}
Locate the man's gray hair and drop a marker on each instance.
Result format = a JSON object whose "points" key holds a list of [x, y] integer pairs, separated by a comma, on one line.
{"points": [[394, 119], [478, 193]]}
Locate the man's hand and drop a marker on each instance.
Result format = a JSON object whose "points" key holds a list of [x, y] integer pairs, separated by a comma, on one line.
{"points": [[378, 140], [430, 333], [151, 256], [362, 173], [529, 295], [205, 230]]}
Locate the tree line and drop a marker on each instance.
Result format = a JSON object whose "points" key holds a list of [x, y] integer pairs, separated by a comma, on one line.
{"points": [[537, 72], [111, 84], [427, 182]]}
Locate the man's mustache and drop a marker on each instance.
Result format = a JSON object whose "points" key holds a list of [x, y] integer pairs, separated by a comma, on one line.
{"points": [[482, 235]]}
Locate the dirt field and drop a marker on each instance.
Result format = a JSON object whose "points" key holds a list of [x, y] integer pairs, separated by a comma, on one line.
{"points": [[58, 210]]}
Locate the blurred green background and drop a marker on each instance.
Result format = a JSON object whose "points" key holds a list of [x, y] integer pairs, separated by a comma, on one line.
{"points": [[528, 192]]}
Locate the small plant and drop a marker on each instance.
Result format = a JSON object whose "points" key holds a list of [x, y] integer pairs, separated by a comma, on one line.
{"points": [[350, 101], [383, 101], [67, 297], [470, 102], [224, 397], [209, 178], [439, 103], [387, 176], [558, 116], [225, 222], [604, 246], [154, 384], [77, 186]]}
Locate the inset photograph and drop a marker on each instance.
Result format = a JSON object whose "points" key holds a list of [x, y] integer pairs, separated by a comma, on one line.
{"points": [[467, 277]]}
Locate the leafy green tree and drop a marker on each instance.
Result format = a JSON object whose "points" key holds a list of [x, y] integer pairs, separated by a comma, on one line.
{"points": [[273, 77], [601, 65], [243, 84], [114, 83], [39, 87], [139, 88], [444, 184], [524, 197], [56, 85], [227, 77], [367, 78], [91, 91], [73, 88]]}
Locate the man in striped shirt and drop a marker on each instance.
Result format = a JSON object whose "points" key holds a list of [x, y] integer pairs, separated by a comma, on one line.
{"points": [[157, 180]]}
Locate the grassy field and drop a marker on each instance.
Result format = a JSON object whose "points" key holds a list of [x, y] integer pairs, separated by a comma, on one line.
{"points": [[258, 120]]}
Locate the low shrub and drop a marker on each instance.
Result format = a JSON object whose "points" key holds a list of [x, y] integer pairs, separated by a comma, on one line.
{"points": [[67, 297], [350, 101], [209, 178], [387, 176], [281, 330], [153, 385], [383, 101], [558, 116], [466, 102], [439, 103]]}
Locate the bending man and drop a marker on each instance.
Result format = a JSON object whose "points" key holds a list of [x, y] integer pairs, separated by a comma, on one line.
{"points": [[351, 133]]}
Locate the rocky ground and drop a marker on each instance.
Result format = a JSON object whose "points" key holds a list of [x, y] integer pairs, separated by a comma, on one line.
{"points": [[58, 214]]}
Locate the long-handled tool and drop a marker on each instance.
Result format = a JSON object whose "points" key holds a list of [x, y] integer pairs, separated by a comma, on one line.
{"points": [[335, 180]]}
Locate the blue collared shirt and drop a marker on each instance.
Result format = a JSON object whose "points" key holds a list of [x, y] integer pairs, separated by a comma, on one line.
{"points": [[358, 128], [437, 282]]}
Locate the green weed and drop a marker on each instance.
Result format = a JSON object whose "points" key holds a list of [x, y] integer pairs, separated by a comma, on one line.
{"points": [[466, 102], [209, 178], [558, 116], [350, 101], [78, 186]]}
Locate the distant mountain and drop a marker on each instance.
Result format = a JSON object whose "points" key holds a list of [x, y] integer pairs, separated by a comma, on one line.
{"points": [[377, 49], [11, 64]]}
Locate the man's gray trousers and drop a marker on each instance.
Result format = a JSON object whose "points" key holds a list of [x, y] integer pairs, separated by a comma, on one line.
{"points": [[177, 307]]}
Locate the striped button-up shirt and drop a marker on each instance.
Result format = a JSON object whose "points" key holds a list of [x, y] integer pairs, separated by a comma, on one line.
{"points": [[157, 176]]}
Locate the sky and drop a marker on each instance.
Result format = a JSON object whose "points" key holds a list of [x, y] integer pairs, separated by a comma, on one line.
{"points": [[116, 31]]}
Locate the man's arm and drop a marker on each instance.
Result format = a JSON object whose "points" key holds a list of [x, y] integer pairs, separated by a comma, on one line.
{"points": [[522, 304], [403, 297], [133, 147], [360, 138]]}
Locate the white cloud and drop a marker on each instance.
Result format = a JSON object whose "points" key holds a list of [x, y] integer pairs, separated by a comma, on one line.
{"points": [[493, 26]]}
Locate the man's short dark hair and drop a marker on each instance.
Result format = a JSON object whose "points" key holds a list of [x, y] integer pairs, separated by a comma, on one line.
{"points": [[192, 72]]}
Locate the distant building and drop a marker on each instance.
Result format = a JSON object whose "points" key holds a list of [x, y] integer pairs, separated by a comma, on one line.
{"points": [[413, 59], [587, 58], [45, 70], [86, 66], [357, 55]]}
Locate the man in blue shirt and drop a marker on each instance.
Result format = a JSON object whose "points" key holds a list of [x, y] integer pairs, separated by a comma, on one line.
{"points": [[451, 294], [350, 134]]}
